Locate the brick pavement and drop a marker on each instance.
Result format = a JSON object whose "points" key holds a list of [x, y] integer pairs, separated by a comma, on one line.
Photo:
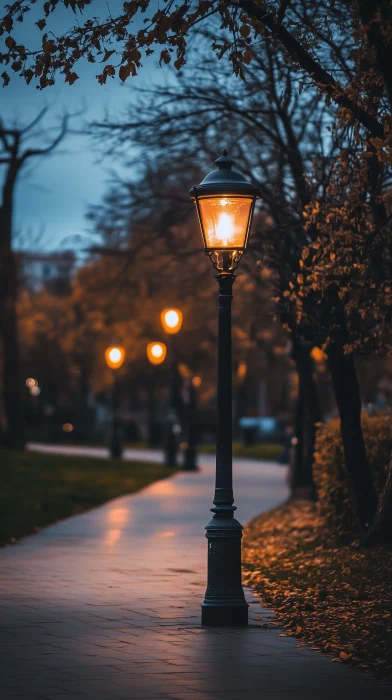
{"points": [[106, 606]]}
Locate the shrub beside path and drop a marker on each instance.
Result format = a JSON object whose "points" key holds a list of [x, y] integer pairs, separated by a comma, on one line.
{"points": [[106, 605]]}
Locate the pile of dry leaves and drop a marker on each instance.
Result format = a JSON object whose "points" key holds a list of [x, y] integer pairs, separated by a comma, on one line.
{"points": [[338, 599]]}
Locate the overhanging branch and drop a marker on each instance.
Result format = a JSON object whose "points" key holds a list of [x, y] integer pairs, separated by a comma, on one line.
{"points": [[312, 67]]}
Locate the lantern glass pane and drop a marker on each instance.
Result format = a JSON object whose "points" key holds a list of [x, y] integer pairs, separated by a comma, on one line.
{"points": [[225, 221]]}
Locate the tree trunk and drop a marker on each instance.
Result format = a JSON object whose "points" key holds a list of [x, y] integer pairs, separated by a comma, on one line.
{"points": [[381, 527], [296, 462], [345, 383], [14, 436], [13, 160], [307, 415]]}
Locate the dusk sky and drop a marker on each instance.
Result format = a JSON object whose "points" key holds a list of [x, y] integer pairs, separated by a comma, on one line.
{"points": [[54, 193]]}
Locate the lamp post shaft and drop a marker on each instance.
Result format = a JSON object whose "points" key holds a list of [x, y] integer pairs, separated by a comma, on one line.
{"points": [[224, 602], [172, 417], [190, 428], [115, 440], [224, 472]]}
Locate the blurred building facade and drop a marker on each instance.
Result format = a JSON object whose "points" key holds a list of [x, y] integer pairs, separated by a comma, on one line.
{"points": [[52, 271]]}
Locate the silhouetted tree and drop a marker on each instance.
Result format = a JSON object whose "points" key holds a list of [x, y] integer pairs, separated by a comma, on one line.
{"points": [[15, 153]]}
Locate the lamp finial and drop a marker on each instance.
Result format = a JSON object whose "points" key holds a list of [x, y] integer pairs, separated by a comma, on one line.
{"points": [[224, 162]]}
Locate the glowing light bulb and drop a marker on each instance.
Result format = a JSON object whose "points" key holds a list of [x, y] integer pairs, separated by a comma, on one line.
{"points": [[224, 229], [157, 351], [172, 318], [115, 355]]}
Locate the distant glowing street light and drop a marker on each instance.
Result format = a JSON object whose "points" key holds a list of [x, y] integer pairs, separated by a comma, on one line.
{"points": [[225, 203], [318, 355], [156, 353], [242, 371], [171, 320], [114, 357]]}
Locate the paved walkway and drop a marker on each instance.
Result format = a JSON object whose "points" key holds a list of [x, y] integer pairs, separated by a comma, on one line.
{"points": [[106, 606], [142, 455]]}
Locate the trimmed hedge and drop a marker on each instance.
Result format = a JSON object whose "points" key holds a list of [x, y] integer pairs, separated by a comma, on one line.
{"points": [[335, 502]]}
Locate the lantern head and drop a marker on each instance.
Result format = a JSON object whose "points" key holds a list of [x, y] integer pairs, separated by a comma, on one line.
{"points": [[225, 203]]}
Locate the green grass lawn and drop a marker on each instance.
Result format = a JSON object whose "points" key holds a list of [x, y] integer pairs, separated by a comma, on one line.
{"points": [[39, 489], [261, 451]]}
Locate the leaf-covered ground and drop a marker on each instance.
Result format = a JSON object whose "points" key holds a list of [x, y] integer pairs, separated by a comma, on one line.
{"points": [[337, 599]]}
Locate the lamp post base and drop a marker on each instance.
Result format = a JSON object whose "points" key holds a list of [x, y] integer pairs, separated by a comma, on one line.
{"points": [[115, 449], [224, 615], [190, 460], [224, 603]]}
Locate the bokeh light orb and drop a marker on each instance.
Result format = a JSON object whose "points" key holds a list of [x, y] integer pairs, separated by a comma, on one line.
{"points": [[114, 356], [68, 427], [30, 382], [171, 320], [156, 353], [35, 390]]}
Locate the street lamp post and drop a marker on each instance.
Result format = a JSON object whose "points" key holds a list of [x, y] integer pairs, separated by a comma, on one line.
{"points": [[171, 320], [225, 203], [156, 353], [189, 421], [114, 356]]}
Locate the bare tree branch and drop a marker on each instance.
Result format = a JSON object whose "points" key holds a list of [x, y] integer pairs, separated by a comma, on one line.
{"points": [[31, 152], [35, 121]]}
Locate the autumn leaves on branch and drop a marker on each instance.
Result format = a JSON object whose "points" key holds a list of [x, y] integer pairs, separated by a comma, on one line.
{"points": [[121, 41]]}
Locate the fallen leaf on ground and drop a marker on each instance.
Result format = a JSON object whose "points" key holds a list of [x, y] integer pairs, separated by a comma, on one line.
{"points": [[288, 558]]}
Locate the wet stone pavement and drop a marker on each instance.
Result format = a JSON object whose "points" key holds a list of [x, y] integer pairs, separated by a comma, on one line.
{"points": [[106, 606]]}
